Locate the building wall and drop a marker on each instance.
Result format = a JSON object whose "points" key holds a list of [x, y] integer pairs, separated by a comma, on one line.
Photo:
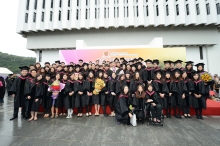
{"points": [[89, 14], [117, 37]]}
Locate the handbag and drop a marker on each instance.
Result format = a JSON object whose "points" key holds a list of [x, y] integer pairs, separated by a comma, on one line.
{"points": [[133, 120]]}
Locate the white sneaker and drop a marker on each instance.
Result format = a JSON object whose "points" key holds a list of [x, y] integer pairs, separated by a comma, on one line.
{"points": [[68, 117]]}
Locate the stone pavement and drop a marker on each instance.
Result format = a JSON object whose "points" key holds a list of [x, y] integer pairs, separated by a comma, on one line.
{"points": [[101, 131]]}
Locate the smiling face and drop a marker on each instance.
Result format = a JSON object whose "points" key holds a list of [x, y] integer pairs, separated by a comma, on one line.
{"points": [[126, 89]]}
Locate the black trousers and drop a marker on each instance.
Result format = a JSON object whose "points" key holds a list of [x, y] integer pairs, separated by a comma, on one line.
{"points": [[186, 109], [156, 111], [22, 112]]}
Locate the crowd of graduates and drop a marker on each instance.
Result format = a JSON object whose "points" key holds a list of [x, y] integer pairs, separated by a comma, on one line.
{"points": [[129, 86]]}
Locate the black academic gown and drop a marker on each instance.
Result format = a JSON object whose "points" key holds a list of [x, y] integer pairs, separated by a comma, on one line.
{"points": [[119, 87], [199, 88], [80, 100], [69, 101], [47, 99], [112, 88], [9, 82], [122, 109], [148, 74], [161, 87], [172, 89], [139, 104], [187, 101], [134, 85], [2, 89], [181, 89], [89, 87], [154, 96], [38, 88], [21, 87], [104, 98]]}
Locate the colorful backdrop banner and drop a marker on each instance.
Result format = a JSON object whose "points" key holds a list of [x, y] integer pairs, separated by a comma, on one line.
{"points": [[161, 54]]}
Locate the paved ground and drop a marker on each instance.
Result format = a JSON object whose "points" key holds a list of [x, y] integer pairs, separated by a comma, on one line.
{"points": [[101, 131]]}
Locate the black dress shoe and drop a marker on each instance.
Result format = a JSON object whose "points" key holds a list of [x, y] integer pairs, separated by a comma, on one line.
{"points": [[197, 116], [189, 117], [179, 116], [201, 117], [14, 117], [105, 115], [185, 116]]}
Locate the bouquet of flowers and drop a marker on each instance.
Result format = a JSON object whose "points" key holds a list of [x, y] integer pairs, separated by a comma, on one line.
{"points": [[206, 77], [56, 87], [99, 85]]}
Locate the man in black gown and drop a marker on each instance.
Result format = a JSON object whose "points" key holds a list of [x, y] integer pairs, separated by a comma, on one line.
{"points": [[20, 89]]}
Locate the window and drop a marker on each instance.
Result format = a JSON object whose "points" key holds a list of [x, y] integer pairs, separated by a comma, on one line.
{"points": [[26, 18], [34, 18], [105, 13], [68, 3], [108, 12], [208, 9], [95, 13], [60, 3], [118, 11], [51, 16], [42, 17], [77, 4], [40, 55], [86, 13], [124, 11], [218, 8], [147, 11], [167, 10], [197, 9], [87, 2], [43, 6], [137, 11], [177, 10], [51, 5], [59, 15], [35, 5], [68, 15], [187, 9], [127, 12], [27, 5], [157, 10], [77, 14], [95, 2], [114, 12], [105, 2], [201, 52]]}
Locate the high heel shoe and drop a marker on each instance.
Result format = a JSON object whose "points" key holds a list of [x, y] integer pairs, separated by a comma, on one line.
{"points": [[87, 115]]}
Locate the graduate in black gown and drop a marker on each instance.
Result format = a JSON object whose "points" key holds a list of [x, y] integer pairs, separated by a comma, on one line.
{"points": [[85, 70], [148, 73], [128, 80], [135, 83], [89, 85], [198, 95], [112, 95], [47, 100], [178, 64], [138, 101], [69, 98], [208, 85], [167, 64], [154, 103], [104, 98], [170, 96], [180, 92], [2, 89], [9, 81], [189, 69], [37, 84], [96, 98], [187, 101], [20, 92], [80, 91], [62, 95], [120, 84], [122, 111], [160, 86]]}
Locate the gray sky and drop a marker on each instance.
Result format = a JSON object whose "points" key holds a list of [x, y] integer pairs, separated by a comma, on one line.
{"points": [[10, 41]]}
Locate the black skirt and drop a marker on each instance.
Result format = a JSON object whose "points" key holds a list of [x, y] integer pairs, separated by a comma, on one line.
{"points": [[187, 101], [170, 101], [164, 102], [98, 99], [35, 106], [47, 102]]}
